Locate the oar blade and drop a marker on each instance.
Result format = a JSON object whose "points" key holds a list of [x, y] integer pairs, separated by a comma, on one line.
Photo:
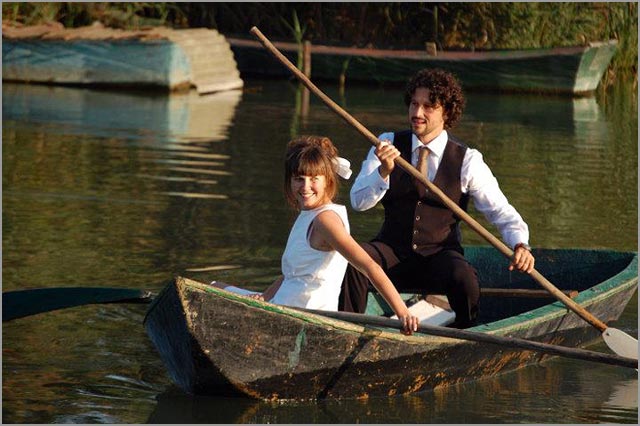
{"points": [[621, 343], [22, 303]]}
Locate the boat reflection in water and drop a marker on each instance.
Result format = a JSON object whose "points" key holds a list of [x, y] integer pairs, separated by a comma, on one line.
{"points": [[488, 400], [525, 110], [176, 132], [179, 117]]}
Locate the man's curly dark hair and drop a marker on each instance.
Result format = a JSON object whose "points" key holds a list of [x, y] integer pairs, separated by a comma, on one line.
{"points": [[444, 90]]}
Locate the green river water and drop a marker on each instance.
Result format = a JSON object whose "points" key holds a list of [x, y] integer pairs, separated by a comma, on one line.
{"points": [[126, 190]]}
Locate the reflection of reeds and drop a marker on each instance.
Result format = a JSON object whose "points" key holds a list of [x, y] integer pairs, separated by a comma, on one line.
{"points": [[213, 268], [178, 179], [187, 163], [200, 171], [198, 155], [196, 195]]}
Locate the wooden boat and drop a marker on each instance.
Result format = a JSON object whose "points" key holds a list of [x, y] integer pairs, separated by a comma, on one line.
{"points": [[216, 342], [155, 58], [562, 70]]}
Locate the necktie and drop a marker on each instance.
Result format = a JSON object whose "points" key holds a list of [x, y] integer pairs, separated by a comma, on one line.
{"points": [[423, 161], [422, 166]]}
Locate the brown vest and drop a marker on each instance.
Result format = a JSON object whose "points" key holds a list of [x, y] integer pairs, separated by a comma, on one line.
{"points": [[423, 225]]}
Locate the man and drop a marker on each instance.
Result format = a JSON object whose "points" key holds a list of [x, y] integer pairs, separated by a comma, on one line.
{"points": [[419, 244]]}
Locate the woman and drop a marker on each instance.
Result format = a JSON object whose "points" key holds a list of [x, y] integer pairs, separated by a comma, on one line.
{"points": [[319, 245]]}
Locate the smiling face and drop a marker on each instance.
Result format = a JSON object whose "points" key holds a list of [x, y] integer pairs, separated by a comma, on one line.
{"points": [[309, 179], [309, 191], [432, 88], [427, 119]]}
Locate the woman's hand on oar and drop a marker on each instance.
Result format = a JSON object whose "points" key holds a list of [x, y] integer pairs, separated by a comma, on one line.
{"points": [[613, 340]]}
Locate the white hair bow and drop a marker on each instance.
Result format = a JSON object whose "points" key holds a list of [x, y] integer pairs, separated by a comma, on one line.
{"points": [[342, 167]]}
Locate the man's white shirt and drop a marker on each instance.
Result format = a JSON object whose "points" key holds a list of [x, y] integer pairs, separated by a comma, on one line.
{"points": [[476, 180]]}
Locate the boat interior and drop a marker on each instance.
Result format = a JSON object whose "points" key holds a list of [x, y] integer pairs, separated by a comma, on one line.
{"points": [[507, 293]]}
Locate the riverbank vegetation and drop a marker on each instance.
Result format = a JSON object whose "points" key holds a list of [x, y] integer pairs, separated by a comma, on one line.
{"points": [[451, 26]]}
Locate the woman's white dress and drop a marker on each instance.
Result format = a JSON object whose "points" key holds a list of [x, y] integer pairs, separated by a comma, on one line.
{"points": [[312, 278]]}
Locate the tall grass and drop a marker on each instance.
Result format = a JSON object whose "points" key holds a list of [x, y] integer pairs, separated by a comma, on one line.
{"points": [[461, 25], [128, 15], [622, 24]]}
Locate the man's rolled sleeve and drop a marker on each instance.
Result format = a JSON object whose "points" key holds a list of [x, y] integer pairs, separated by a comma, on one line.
{"points": [[368, 189]]}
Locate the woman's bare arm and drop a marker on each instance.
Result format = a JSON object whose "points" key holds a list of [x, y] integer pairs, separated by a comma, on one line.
{"points": [[332, 232]]}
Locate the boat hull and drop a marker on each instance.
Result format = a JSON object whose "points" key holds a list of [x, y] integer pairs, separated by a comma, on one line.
{"points": [[158, 58], [569, 70], [216, 342]]}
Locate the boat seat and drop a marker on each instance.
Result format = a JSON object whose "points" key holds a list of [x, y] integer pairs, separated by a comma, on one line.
{"points": [[431, 310]]}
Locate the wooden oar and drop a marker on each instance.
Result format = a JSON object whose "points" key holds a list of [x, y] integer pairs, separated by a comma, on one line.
{"points": [[618, 341], [521, 292], [455, 333], [22, 303]]}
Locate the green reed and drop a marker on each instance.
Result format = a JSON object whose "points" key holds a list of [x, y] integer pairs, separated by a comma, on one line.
{"points": [[469, 26]]}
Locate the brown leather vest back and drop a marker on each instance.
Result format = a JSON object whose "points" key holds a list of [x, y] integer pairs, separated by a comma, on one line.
{"points": [[423, 224]]}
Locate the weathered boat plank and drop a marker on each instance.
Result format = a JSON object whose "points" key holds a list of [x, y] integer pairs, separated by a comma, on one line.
{"points": [[158, 57]]}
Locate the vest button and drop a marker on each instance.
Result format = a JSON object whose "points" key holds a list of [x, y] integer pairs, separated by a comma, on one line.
{"points": [[417, 217], [419, 202], [415, 246], [415, 232]]}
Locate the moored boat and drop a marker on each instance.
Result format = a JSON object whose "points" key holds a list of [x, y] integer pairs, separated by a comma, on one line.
{"points": [[155, 58], [574, 70], [216, 342]]}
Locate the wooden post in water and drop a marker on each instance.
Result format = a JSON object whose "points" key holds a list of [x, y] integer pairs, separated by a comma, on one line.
{"points": [[306, 61], [343, 76], [431, 48], [306, 69]]}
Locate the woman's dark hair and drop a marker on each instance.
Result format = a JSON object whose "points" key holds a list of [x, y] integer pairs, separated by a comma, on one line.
{"points": [[310, 156], [444, 89]]}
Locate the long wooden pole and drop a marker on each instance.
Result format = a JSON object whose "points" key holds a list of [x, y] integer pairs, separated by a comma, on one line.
{"points": [[464, 216], [455, 333], [23, 303], [521, 292]]}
